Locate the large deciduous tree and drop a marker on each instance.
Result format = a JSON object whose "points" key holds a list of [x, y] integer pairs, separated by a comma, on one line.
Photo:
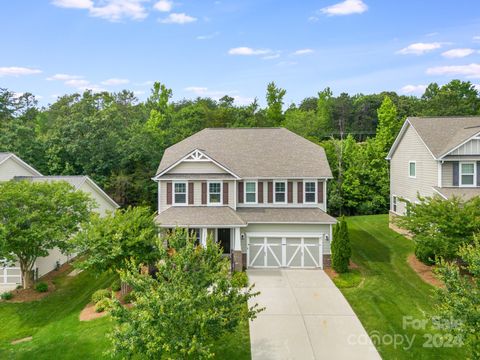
{"points": [[37, 217], [181, 311]]}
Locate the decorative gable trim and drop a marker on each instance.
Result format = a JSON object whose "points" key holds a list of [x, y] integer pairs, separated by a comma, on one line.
{"points": [[195, 156]]}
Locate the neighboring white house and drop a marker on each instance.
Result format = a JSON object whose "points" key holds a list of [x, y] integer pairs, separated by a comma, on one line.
{"points": [[435, 156], [13, 168], [261, 193]]}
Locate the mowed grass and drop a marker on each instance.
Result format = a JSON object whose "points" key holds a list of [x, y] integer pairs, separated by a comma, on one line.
{"points": [[58, 334], [391, 291]]}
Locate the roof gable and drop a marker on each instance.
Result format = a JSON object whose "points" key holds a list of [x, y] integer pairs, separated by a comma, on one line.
{"points": [[5, 156], [254, 153]]}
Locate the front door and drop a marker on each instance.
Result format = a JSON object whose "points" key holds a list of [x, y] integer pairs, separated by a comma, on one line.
{"points": [[224, 240]]}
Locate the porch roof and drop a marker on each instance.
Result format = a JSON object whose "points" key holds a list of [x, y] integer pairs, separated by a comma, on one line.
{"points": [[289, 215], [199, 216], [464, 193]]}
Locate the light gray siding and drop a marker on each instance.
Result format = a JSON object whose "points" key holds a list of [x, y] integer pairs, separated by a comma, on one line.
{"points": [[197, 167], [411, 148], [447, 174], [10, 168]]}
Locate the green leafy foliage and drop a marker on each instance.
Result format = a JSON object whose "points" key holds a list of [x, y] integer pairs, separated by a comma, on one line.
{"points": [[239, 279], [100, 295], [129, 297], [440, 227], [189, 304], [110, 242], [116, 285], [37, 217], [340, 246], [6, 295], [103, 305], [458, 306], [41, 287]]}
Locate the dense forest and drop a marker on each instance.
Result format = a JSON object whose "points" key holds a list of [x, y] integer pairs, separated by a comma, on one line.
{"points": [[119, 141]]}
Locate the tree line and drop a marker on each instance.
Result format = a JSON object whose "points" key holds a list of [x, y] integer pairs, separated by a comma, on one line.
{"points": [[119, 141]]}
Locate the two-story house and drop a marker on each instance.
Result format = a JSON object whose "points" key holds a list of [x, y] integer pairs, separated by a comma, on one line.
{"points": [[12, 168], [261, 193], [435, 156]]}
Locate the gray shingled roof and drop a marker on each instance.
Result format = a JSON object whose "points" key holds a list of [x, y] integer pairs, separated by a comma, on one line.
{"points": [[285, 215], [465, 193], [75, 181], [258, 152], [191, 216], [443, 134]]}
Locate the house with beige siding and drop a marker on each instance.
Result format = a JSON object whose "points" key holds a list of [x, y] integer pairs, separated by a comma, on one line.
{"points": [[12, 168], [260, 193], [434, 156]]}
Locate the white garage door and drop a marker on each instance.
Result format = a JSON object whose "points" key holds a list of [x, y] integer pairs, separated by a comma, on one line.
{"points": [[290, 251]]}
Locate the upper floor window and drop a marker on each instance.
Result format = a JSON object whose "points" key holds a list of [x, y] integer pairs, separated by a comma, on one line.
{"points": [[250, 192], [310, 193], [394, 203], [214, 192], [412, 169], [280, 189], [180, 193], [467, 174]]}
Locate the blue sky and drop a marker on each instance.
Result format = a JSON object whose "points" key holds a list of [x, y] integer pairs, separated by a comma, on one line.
{"points": [[212, 48]]}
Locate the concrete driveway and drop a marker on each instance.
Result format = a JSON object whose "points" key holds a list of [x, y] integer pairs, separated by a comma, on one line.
{"points": [[306, 317]]}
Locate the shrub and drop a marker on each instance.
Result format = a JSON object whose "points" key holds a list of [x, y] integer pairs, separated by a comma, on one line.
{"points": [[240, 279], [6, 296], [41, 287], [100, 295], [102, 305], [341, 250], [116, 285], [129, 298]]}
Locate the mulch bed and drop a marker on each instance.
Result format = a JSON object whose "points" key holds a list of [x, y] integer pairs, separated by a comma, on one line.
{"points": [[424, 271], [332, 274], [88, 313], [30, 294]]}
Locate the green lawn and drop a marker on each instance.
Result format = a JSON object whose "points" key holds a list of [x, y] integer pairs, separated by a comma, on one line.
{"points": [[58, 334], [389, 290]]}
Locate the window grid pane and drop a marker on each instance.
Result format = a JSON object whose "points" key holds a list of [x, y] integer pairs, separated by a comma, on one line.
{"points": [[250, 198], [468, 169], [214, 192], [467, 179], [280, 192], [412, 169], [180, 193]]}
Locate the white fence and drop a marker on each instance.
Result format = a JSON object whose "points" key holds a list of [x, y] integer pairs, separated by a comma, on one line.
{"points": [[10, 276]]}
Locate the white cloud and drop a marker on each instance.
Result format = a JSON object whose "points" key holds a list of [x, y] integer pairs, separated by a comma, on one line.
{"points": [[73, 4], [115, 81], [218, 94], [419, 48], [476, 38], [313, 18], [178, 18], [208, 36], [77, 83], [271, 57], [241, 100], [303, 52], [247, 51], [63, 77], [111, 10], [469, 71], [163, 6], [18, 71], [458, 53], [413, 89], [197, 90], [346, 7], [138, 92]]}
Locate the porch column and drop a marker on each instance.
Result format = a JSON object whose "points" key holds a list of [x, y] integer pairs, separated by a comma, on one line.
{"points": [[203, 237], [237, 250]]}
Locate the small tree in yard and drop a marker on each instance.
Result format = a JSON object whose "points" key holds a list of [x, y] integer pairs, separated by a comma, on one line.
{"points": [[341, 250], [459, 302], [440, 227], [37, 217], [111, 242], [184, 308]]}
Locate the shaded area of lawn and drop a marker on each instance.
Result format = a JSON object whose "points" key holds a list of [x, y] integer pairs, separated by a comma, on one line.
{"points": [[58, 334], [390, 290]]}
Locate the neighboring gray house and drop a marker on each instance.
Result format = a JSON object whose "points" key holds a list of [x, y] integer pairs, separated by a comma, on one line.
{"points": [[14, 168], [261, 193], [435, 156]]}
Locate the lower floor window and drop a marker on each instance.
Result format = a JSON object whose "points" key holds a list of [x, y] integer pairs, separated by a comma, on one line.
{"points": [[394, 203]]}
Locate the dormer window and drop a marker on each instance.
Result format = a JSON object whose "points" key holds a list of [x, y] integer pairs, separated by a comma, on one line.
{"points": [[180, 193], [467, 174]]}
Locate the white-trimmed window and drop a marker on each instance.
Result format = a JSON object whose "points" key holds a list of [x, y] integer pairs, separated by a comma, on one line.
{"points": [[394, 203], [250, 192], [214, 193], [179, 192], [310, 192], [467, 173], [412, 169], [280, 195]]}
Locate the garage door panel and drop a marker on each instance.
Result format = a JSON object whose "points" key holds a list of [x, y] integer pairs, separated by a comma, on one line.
{"points": [[274, 252]]}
